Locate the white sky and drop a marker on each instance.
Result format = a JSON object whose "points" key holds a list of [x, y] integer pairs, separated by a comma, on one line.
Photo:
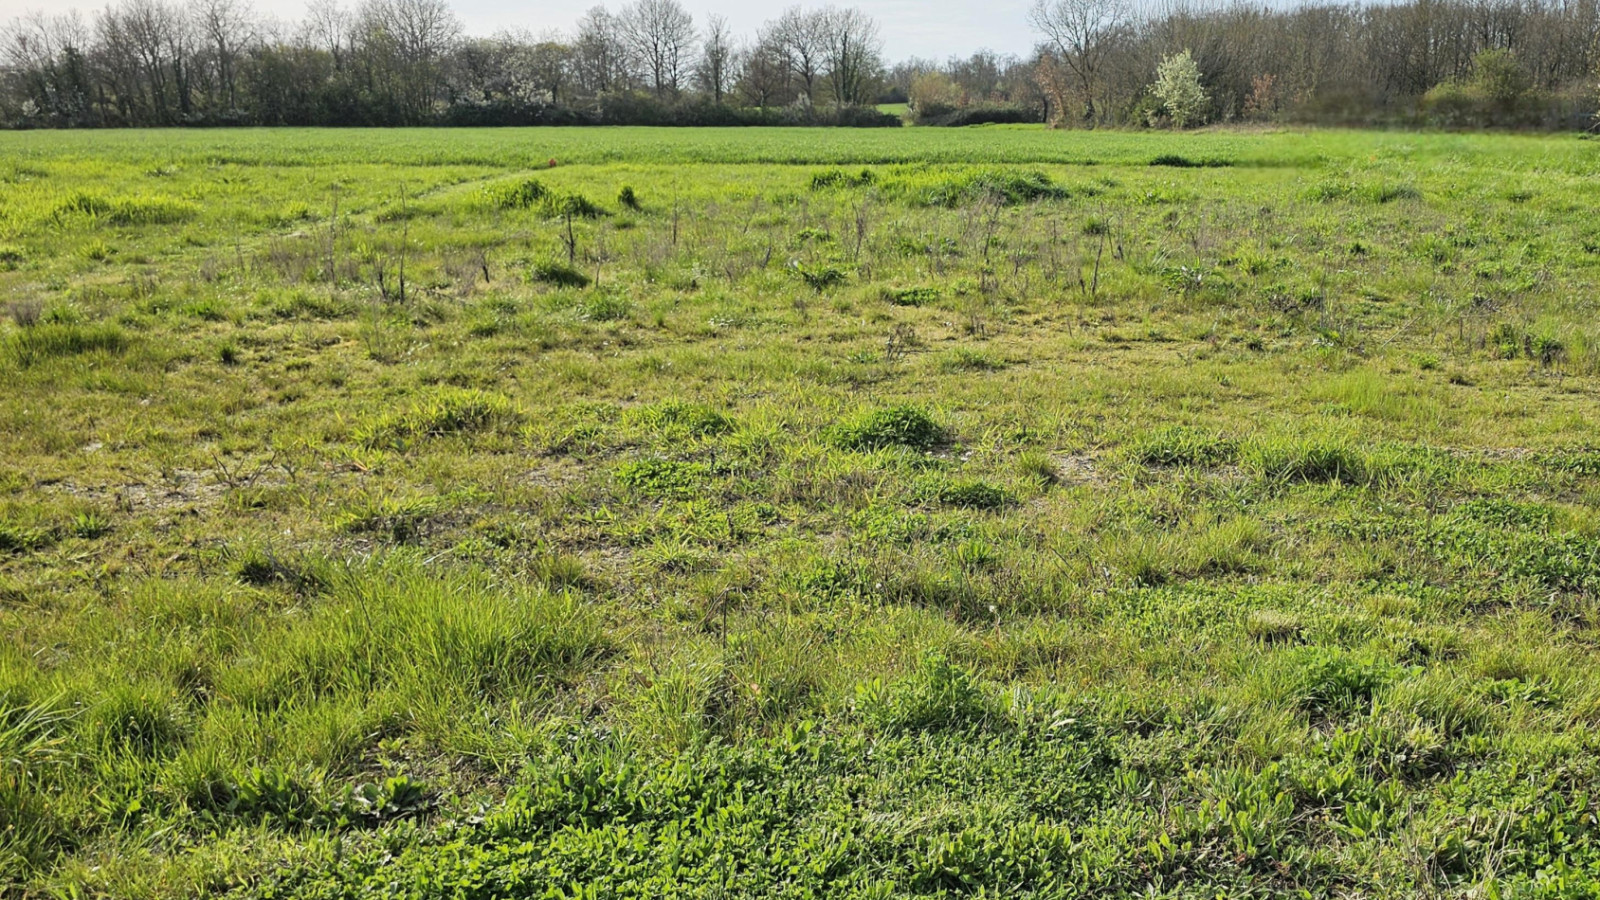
{"points": [[931, 30]]}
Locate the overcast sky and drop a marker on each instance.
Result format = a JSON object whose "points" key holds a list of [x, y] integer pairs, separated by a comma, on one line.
{"points": [[927, 29]]}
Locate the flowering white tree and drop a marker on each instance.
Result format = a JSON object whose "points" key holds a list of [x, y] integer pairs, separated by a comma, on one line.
{"points": [[1179, 90]]}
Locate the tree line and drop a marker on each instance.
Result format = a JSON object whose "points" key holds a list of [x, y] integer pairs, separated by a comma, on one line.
{"points": [[408, 62], [1463, 63], [1529, 63]]}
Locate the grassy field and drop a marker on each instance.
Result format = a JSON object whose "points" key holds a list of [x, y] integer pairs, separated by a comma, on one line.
{"points": [[643, 513]]}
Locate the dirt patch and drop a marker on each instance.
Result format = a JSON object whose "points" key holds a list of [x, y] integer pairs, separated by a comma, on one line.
{"points": [[1077, 468]]}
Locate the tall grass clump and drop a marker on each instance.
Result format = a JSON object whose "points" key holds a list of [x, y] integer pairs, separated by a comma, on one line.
{"points": [[970, 494], [33, 752], [50, 340], [894, 426], [937, 695], [1327, 682], [1009, 187], [1180, 446], [128, 210], [1177, 161], [558, 275], [677, 416], [444, 643], [446, 413], [1309, 460], [523, 194], [839, 178], [150, 211]]}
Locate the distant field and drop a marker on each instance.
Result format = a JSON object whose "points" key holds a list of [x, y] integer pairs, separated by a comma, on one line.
{"points": [[801, 513], [512, 148]]}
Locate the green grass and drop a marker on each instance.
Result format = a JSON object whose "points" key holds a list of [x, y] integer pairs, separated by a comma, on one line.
{"points": [[909, 513]]}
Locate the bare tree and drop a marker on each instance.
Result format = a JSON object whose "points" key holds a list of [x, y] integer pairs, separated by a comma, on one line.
{"points": [[803, 37], [600, 57], [661, 35], [227, 27], [764, 75], [404, 43], [46, 58], [979, 75], [853, 54], [1079, 32], [141, 42], [714, 73], [330, 27], [549, 63]]}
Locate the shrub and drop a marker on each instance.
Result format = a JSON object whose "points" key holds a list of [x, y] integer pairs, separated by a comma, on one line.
{"points": [[895, 426], [978, 114], [627, 198], [1499, 92]]}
